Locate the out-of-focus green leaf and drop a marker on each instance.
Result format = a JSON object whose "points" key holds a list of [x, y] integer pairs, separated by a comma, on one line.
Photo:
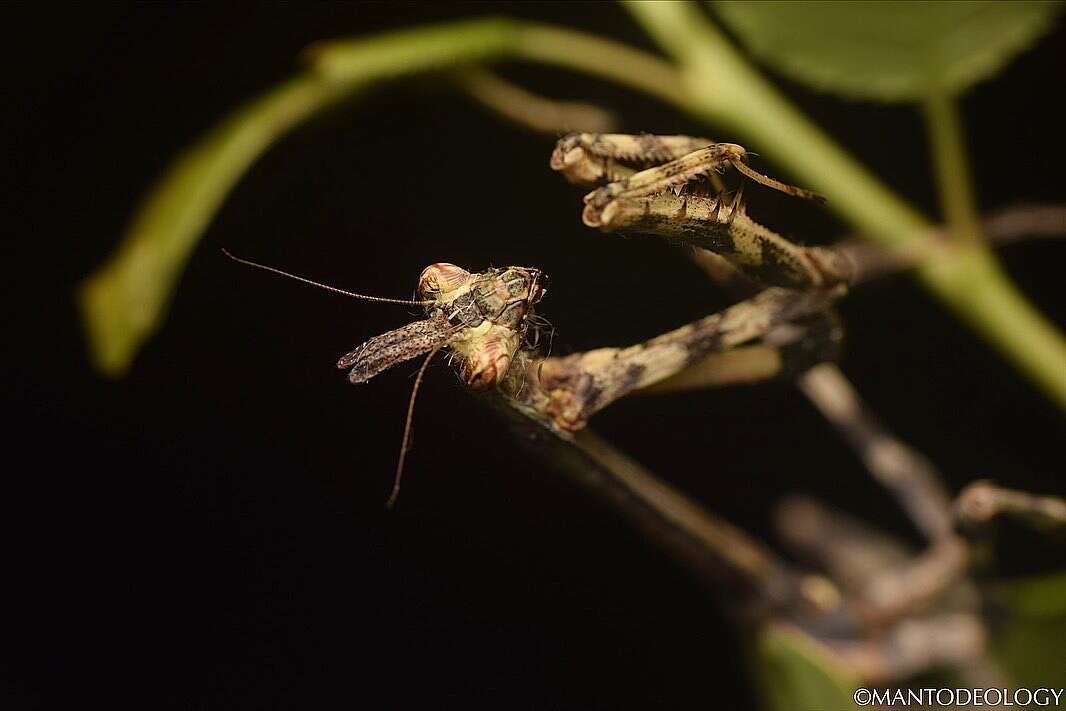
{"points": [[888, 51], [1030, 643], [125, 301], [795, 673]]}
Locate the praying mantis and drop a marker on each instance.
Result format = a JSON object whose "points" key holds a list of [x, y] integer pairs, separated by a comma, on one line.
{"points": [[873, 594], [644, 184]]}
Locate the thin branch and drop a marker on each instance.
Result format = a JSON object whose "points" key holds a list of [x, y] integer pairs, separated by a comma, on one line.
{"points": [[850, 551], [748, 558], [952, 164], [714, 549], [892, 648], [916, 485], [600, 57], [896, 594], [982, 501], [1007, 226], [1030, 220], [531, 111], [908, 475]]}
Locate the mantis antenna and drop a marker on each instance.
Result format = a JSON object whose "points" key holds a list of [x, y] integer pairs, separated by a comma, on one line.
{"points": [[407, 302]]}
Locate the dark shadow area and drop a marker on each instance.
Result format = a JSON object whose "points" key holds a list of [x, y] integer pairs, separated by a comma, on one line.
{"points": [[209, 532]]}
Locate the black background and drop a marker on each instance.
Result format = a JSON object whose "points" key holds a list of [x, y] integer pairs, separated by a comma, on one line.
{"points": [[209, 532]]}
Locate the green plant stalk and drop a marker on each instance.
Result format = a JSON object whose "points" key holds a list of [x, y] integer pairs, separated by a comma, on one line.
{"points": [[952, 165], [497, 39], [722, 87], [995, 307]]}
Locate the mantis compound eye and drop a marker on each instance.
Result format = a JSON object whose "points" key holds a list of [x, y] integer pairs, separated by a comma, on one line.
{"points": [[441, 278]]}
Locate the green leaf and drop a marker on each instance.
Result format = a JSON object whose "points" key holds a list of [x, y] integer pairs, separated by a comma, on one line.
{"points": [[888, 51], [1030, 642], [795, 673], [125, 301]]}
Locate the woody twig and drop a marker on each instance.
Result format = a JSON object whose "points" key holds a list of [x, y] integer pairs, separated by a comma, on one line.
{"points": [[982, 501], [719, 553], [871, 261]]}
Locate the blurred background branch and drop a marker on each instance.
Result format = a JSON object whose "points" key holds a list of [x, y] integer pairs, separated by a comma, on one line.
{"points": [[530, 111]]}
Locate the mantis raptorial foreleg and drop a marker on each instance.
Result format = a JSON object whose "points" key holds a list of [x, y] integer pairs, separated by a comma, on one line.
{"points": [[644, 164], [711, 159], [596, 158], [721, 225], [668, 200], [649, 189]]}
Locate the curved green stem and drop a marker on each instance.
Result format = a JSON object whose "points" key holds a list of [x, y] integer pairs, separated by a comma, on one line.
{"points": [[952, 166]]}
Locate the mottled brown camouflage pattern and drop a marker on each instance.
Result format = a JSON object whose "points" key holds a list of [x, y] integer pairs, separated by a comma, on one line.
{"points": [[669, 200], [721, 224], [595, 158], [668, 186], [481, 317]]}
